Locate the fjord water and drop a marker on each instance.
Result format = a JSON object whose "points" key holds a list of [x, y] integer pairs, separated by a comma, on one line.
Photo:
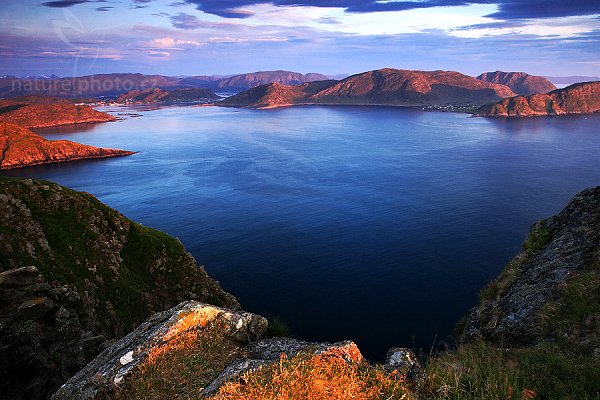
{"points": [[373, 224]]}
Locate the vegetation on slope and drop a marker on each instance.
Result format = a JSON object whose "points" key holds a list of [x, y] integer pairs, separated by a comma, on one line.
{"points": [[100, 275]]}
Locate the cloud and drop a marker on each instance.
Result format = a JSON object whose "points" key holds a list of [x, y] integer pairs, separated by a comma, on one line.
{"points": [[185, 21], [106, 8], [327, 21], [170, 43], [507, 9], [63, 3]]}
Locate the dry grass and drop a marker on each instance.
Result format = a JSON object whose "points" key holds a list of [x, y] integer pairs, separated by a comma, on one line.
{"points": [[182, 367], [322, 377]]}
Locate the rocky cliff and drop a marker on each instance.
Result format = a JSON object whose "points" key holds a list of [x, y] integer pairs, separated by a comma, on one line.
{"points": [[42, 112], [75, 274], [519, 82], [580, 98], [381, 87], [21, 148], [167, 96], [550, 291]]}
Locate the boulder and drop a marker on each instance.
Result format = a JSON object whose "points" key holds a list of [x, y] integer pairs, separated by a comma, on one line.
{"points": [[113, 366]]}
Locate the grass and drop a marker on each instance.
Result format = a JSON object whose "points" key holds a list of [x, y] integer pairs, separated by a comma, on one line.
{"points": [[538, 238], [278, 328], [320, 377], [180, 368], [481, 372]]}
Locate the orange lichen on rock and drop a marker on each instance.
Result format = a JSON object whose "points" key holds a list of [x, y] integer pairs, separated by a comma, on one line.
{"points": [[326, 376]]}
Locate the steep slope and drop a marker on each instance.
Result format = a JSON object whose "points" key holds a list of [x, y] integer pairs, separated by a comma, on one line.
{"points": [[21, 148], [42, 112], [549, 292], [75, 274], [167, 96], [581, 98], [381, 87], [519, 82]]}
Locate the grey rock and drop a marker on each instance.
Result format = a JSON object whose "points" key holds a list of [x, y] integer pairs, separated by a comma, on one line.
{"points": [[19, 277], [405, 362], [108, 370]]}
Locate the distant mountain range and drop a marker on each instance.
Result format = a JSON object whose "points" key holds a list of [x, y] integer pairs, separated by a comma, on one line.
{"points": [[569, 80], [380, 87], [113, 85]]}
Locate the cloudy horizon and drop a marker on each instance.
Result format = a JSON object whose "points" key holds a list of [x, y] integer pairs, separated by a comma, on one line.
{"points": [[222, 37]]}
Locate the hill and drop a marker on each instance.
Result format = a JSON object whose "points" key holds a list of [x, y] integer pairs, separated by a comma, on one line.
{"points": [[22, 148], [168, 96], [43, 111], [75, 274], [580, 98], [519, 82], [381, 87], [250, 80]]}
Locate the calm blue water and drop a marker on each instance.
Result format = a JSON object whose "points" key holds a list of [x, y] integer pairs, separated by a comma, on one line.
{"points": [[373, 224]]}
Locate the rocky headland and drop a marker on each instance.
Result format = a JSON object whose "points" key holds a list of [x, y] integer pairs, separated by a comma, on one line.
{"points": [[521, 83], [22, 148], [381, 87], [580, 98], [44, 111]]}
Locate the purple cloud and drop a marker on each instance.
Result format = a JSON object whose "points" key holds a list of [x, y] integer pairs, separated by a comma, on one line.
{"points": [[507, 9]]}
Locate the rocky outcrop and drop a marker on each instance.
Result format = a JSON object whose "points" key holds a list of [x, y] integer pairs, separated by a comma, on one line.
{"points": [[21, 148], [76, 274], [548, 283], [116, 364], [519, 82], [269, 351], [275, 95], [581, 98], [381, 87], [118, 368], [149, 96], [43, 112]]}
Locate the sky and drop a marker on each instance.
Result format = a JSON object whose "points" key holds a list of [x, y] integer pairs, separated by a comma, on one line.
{"points": [[223, 37]]}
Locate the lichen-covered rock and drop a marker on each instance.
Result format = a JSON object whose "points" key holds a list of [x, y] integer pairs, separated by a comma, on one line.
{"points": [[113, 366], [268, 351], [517, 308], [75, 274]]}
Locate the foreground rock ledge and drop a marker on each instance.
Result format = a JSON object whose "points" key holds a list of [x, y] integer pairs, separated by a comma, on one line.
{"points": [[116, 363]]}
